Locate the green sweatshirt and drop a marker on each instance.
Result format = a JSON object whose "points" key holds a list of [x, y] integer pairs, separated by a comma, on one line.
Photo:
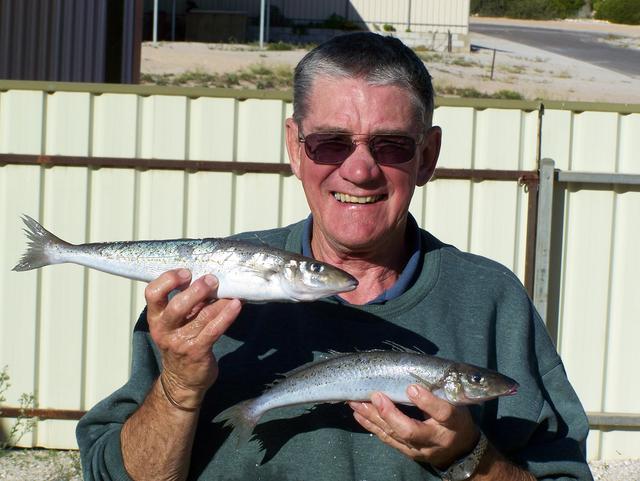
{"points": [[461, 307]]}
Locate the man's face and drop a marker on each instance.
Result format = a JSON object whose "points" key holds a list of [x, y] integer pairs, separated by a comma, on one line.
{"points": [[361, 205]]}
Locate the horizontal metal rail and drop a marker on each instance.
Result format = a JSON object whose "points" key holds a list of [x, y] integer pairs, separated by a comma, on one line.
{"points": [[523, 176], [42, 414], [614, 421], [598, 178], [597, 420], [145, 164]]}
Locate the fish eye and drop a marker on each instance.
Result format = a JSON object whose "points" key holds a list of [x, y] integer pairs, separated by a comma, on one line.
{"points": [[316, 268], [476, 378]]}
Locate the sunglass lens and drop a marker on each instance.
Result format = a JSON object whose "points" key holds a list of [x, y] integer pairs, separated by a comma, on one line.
{"points": [[328, 148], [392, 149]]}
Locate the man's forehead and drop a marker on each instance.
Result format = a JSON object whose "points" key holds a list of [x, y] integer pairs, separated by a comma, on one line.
{"points": [[338, 103]]}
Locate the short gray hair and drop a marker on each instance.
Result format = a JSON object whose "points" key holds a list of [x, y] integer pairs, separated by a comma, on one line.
{"points": [[378, 59]]}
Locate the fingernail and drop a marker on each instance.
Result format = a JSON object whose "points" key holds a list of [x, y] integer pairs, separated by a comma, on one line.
{"points": [[210, 280], [184, 274], [357, 406], [376, 400], [412, 391]]}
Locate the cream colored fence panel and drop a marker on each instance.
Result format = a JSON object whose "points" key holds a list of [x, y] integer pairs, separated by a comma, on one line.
{"points": [[19, 314], [115, 125], [257, 196], [21, 116], [109, 298], [598, 305], [498, 215], [448, 202], [65, 331], [68, 123], [620, 395], [212, 136], [62, 307], [112, 215]]}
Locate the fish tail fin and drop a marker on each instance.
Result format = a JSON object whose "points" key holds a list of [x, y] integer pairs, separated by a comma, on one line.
{"points": [[242, 418], [39, 251]]}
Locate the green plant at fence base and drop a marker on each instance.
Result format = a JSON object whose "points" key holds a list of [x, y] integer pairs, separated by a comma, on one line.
{"points": [[23, 424], [470, 92]]}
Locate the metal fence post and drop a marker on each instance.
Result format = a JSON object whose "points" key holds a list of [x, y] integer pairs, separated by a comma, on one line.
{"points": [[543, 238]]}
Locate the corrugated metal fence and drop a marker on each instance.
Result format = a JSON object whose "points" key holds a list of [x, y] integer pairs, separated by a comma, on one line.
{"points": [[98, 163]]}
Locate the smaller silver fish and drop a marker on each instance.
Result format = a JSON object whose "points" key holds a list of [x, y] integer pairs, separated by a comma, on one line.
{"points": [[356, 376], [247, 271]]}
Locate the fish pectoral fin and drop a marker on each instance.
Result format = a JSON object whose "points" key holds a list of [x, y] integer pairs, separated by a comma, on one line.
{"points": [[264, 274], [424, 382]]}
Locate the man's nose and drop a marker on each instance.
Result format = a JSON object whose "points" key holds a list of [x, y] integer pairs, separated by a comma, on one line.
{"points": [[360, 167]]}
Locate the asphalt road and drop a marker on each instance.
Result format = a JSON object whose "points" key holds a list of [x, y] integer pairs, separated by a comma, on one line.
{"points": [[579, 45]]}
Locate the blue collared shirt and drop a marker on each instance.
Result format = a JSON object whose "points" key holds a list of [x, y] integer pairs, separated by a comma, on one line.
{"points": [[408, 274]]}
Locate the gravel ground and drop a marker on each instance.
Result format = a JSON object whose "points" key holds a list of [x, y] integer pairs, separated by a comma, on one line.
{"points": [[52, 465]]}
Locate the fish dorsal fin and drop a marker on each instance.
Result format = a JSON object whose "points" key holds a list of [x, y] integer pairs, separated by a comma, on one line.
{"points": [[332, 353], [400, 348]]}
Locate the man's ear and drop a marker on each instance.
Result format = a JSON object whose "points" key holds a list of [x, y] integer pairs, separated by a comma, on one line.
{"points": [[430, 152], [293, 145]]}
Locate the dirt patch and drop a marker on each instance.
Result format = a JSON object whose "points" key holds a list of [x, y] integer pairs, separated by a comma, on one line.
{"points": [[517, 71]]}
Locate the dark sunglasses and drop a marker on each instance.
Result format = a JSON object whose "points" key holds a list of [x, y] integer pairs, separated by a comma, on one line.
{"points": [[334, 148]]}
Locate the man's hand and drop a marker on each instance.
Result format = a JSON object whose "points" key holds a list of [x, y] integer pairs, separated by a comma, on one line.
{"points": [[185, 329], [446, 434]]}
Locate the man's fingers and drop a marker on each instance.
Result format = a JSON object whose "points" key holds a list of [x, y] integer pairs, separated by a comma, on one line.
{"points": [[368, 411], [157, 291], [401, 427], [186, 304], [434, 407], [216, 319], [382, 431]]}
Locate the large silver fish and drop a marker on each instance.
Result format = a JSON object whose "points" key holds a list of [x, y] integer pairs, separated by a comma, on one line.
{"points": [[356, 376], [246, 271]]}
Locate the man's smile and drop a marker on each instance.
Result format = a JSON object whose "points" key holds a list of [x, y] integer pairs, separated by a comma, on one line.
{"points": [[357, 199]]}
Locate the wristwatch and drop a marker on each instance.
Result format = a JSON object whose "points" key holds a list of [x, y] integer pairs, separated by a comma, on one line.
{"points": [[465, 467]]}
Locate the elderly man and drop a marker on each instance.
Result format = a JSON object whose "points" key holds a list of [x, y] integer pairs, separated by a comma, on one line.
{"points": [[360, 141]]}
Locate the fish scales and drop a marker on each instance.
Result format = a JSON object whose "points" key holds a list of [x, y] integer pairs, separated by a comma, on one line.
{"points": [[356, 376], [247, 271]]}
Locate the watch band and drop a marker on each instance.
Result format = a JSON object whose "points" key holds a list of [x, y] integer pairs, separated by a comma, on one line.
{"points": [[465, 467]]}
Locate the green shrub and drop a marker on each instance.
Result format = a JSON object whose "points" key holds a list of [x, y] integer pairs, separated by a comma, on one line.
{"points": [[534, 9], [280, 45], [618, 11], [387, 27], [24, 424]]}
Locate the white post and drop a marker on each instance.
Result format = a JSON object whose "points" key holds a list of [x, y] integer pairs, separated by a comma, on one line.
{"points": [[155, 22], [262, 11]]}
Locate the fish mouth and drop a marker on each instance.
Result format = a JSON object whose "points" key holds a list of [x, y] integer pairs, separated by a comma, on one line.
{"points": [[357, 199], [350, 285], [512, 390]]}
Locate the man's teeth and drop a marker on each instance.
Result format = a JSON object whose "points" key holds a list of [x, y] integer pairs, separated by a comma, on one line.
{"points": [[354, 199]]}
